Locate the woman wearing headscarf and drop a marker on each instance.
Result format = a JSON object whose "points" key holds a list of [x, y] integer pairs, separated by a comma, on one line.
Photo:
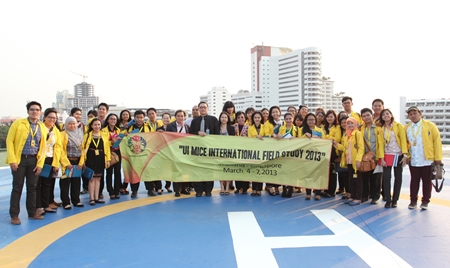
{"points": [[352, 146], [72, 139], [241, 130]]}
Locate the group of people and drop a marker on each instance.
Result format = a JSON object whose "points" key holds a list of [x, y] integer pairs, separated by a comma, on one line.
{"points": [[33, 144]]}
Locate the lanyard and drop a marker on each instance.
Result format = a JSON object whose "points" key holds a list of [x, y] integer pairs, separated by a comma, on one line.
{"points": [[367, 132], [387, 134], [240, 130], [31, 130], [290, 130], [258, 128], [98, 142], [416, 133], [181, 129]]}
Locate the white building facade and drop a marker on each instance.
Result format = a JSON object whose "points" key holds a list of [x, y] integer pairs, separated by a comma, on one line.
{"points": [[434, 110], [287, 77], [215, 98]]}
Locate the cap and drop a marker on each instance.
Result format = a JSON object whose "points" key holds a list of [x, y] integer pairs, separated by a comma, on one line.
{"points": [[413, 108]]}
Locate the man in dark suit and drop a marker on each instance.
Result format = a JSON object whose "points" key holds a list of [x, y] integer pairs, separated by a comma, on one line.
{"points": [[203, 125], [180, 127]]}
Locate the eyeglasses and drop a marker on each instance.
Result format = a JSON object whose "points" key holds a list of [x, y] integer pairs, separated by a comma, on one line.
{"points": [[51, 117], [347, 102], [34, 109], [202, 107]]}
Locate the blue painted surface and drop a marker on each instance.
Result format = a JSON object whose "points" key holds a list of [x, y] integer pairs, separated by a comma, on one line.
{"points": [[194, 232]]}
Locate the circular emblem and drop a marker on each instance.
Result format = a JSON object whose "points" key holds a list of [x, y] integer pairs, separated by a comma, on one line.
{"points": [[137, 144]]}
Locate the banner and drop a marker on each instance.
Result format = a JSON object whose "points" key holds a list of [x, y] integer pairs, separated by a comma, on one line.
{"points": [[179, 157]]}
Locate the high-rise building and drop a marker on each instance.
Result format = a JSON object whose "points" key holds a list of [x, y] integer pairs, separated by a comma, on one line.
{"points": [[244, 99], [215, 98], [85, 99], [434, 110], [288, 77], [331, 100], [64, 101]]}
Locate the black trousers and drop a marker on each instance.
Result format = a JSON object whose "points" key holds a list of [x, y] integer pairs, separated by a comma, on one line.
{"points": [[114, 188], [203, 186], [85, 183], [244, 185], [398, 173], [179, 186], [332, 179], [24, 170], [356, 184], [153, 185], [371, 185], [72, 184], [134, 186], [257, 186], [44, 187]]}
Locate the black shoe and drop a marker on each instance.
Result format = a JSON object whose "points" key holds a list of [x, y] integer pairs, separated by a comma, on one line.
{"points": [[177, 194], [364, 200], [394, 205], [168, 190], [159, 192], [185, 192], [209, 193], [284, 192], [236, 192], [99, 201], [244, 192], [387, 205], [151, 193], [231, 187], [198, 194], [133, 194], [374, 202]]}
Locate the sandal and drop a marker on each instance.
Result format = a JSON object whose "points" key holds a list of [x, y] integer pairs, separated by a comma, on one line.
{"points": [[317, 197], [92, 202], [222, 193], [227, 193]]}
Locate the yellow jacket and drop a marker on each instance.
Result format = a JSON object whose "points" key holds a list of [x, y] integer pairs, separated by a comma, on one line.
{"points": [[153, 127], [316, 129], [87, 141], [295, 130], [252, 133], [400, 137], [335, 134], [64, 160], [17, 136], [432, 144], [357, 151], [57, 147], [357, 116]]}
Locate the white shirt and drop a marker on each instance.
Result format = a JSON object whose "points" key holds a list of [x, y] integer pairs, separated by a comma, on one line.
{"points": [[182, 128], [417, 152]]}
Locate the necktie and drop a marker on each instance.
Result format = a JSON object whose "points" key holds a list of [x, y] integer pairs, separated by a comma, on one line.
{"points": [[202, 125]]}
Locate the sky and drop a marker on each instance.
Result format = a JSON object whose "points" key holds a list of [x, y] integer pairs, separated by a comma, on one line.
{"points": [[165, 54]]}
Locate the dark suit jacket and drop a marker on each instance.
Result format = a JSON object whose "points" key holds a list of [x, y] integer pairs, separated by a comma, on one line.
{"points": [[231, 131], [172, 127], [211, 123]]}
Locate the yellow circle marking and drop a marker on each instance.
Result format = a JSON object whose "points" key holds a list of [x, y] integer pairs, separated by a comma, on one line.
{"points": [[21, 252], [24, 250]]}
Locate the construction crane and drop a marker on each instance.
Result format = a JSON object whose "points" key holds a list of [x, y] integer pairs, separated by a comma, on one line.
{"points": [[84, 76]]}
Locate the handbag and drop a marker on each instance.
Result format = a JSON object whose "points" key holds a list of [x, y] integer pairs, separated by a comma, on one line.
{"points": [[437, 174], [368, 160], [114, 159]]}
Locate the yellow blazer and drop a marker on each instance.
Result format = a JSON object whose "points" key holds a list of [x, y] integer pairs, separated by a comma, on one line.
{"points": [[159, 123], [357, 148], [432, 144], [57, 147], [17, 136], [335, 134], [295, 130], [88, 139], [400, 137], [252, 133], [317, 129]]}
